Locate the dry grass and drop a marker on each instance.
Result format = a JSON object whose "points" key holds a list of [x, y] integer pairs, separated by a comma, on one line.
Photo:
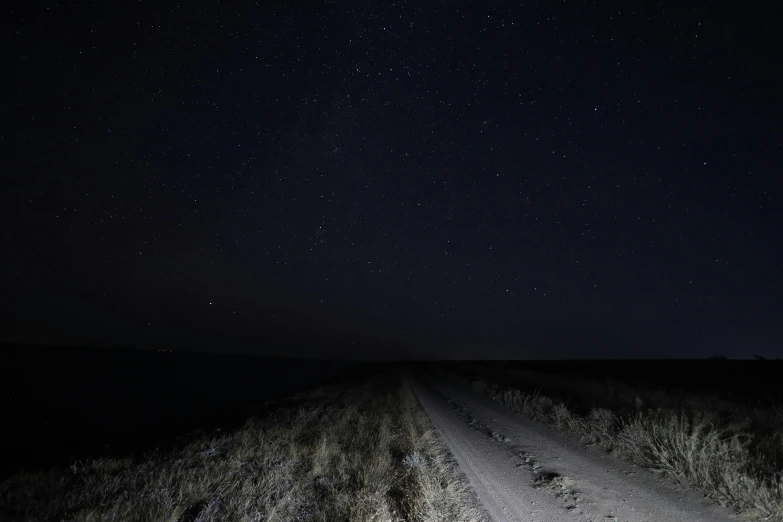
{"points": [[443, 494], [699, 449], [361, 453]]}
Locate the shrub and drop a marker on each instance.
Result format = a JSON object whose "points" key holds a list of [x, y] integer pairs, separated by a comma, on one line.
{"points": [[702, 455]]}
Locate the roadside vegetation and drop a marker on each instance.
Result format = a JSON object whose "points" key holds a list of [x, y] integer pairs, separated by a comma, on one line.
{"points": [[364, 451], [733, 455]]}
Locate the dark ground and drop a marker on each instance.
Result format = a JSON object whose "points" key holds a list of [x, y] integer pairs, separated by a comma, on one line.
{"points": [[61, 404], [748, 382]]}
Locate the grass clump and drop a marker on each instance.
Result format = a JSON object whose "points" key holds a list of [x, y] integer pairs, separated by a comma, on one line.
{"points": [[352, 453], [697, 453]]}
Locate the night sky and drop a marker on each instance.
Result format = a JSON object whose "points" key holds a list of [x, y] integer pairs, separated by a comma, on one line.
{"points": [[418, 178]]}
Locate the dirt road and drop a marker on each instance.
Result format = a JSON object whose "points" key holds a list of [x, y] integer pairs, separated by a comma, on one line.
{"points": [[523, 471]]}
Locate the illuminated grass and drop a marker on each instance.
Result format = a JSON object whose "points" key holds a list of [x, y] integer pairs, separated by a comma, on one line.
{"points": [[359, 453]]}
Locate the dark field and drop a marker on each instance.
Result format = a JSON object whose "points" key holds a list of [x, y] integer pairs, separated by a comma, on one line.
{"points": [[668, 383], [62, 404]]}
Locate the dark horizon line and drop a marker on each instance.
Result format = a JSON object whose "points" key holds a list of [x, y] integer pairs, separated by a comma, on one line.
{"points": [[195, 350]]}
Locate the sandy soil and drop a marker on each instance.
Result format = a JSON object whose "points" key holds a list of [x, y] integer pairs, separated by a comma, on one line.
{"points": [[524, 471]]}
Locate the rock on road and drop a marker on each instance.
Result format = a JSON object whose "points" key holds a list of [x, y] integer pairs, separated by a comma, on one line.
{"points": [[522, 471]]}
